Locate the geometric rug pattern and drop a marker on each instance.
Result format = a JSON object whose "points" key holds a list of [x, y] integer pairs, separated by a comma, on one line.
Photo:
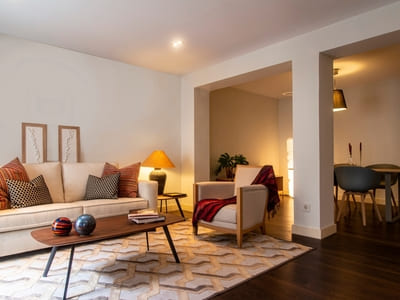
{"points": [[124, 269]]}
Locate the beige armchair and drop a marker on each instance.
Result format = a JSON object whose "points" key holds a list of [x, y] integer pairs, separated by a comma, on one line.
{"points": [[246, 215]]}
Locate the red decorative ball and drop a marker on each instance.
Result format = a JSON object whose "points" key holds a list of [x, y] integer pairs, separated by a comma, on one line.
{"points": [[61, 226]]}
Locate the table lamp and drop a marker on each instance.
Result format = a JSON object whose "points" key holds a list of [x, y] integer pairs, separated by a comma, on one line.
{"points": [[157, 160]]}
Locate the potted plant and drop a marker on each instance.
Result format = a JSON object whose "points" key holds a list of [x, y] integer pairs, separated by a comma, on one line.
{"points": [[228, 163]]}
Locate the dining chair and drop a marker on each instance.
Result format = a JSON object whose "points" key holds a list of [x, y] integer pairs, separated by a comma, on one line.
{"points": [[336, 186], [381, 185], [356, 180]]}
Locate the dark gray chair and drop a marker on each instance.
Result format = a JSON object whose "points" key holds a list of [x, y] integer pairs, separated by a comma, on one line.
{"points": [[381, 185], [335, 184], [357, 181]]}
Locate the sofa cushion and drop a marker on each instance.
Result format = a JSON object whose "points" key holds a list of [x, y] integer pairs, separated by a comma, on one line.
{"points": [[13, 170], [128, 181], [24, 194], [37, 216], [51, 172], [75, 176], [102, 188], [101, 208]]}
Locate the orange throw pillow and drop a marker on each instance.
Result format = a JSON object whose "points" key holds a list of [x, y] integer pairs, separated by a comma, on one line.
{"points": [[128, 180], [13, 170]]}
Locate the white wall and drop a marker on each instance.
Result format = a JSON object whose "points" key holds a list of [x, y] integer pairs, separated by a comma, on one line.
{"points": [[243, 123], [124, 112], [310, 90]]}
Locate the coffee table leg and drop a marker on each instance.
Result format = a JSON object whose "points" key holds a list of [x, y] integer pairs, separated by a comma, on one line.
{"points": [[147, 240], [49, 262], [71, 256], [180, 208], [171, 243]]}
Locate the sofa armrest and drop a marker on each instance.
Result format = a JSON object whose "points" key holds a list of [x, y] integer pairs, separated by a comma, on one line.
{"points": [[213, 190], [147, 190], [252, 203]]}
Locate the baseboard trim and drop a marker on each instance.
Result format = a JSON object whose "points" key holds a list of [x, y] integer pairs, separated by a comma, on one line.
{"points": [[312, 232]]}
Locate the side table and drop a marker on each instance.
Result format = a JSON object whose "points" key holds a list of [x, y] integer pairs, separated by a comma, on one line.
{"points": [[170, 196]]}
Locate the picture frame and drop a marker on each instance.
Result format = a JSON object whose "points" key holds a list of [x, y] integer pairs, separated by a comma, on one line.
{"points": [[34, 143], [69, 146]]}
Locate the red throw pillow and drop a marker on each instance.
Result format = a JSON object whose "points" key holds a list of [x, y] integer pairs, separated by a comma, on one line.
{"points": [[128, 180], [13, 170]]}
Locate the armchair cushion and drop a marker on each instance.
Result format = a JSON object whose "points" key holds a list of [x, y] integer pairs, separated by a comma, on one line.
{"points": [[227, 214]]}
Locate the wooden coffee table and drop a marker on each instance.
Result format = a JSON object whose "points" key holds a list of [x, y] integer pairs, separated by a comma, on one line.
{"points": [[106, 228]]}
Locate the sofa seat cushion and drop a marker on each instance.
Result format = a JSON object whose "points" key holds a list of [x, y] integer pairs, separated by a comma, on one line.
{"points": [[101, 208], [37, 216], [51, 172]]}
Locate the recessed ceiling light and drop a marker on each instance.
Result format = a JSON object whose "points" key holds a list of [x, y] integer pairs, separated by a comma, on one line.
{"points": [[177, 44]]}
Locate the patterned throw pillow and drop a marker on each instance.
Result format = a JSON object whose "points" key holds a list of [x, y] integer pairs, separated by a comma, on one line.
{"points": [[102, 188], [128, 182], [24, 194], [13, 170]]}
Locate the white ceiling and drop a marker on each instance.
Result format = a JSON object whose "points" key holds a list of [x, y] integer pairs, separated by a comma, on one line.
{"points": [[139, 32], [357, 69]]}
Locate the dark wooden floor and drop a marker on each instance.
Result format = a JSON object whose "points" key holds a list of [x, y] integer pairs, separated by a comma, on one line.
{"points": [[356, 263]]}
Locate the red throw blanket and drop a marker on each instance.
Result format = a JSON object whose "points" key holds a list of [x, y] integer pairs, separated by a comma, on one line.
{"points": [[206, 209]]}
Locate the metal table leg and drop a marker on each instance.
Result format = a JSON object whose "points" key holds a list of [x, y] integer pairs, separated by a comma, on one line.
{"points": [[171, 243], [50, 260], [180, 208], [71, 257], [388, 200]]}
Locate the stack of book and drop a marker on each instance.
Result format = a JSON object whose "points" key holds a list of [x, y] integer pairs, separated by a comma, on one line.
{"points": [[145, 216]]}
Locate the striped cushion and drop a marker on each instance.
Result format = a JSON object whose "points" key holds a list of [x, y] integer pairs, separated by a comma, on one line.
{"points": [[24, 194], [13, 170], [102, 188], [128, 181]]}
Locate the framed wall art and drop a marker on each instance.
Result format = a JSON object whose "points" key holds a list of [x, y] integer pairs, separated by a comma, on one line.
{"points": [[69, 146], [34, 143]]}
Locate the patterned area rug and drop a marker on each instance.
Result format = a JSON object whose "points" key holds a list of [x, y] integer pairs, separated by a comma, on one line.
{"points": [[124, 269]]}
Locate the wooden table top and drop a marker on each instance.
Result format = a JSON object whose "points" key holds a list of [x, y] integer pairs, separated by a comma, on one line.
{"points": [[106, 228], [387, 170]]}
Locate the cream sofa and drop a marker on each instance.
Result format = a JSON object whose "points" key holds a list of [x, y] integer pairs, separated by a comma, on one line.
{"points": [[67, 186]]}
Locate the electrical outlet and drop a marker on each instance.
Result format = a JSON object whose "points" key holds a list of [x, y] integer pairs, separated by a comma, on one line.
{"points": [[307, 207]]}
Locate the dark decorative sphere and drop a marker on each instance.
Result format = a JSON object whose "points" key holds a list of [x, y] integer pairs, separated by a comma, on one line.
{"points": [[85, 224], [61, 226]]}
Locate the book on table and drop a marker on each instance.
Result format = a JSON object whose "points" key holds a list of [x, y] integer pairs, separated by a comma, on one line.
{"points": [[145, 216]]}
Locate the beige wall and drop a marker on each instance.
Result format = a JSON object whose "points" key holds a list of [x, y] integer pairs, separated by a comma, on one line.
{"points": [[244, 123], [124, 112]]}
